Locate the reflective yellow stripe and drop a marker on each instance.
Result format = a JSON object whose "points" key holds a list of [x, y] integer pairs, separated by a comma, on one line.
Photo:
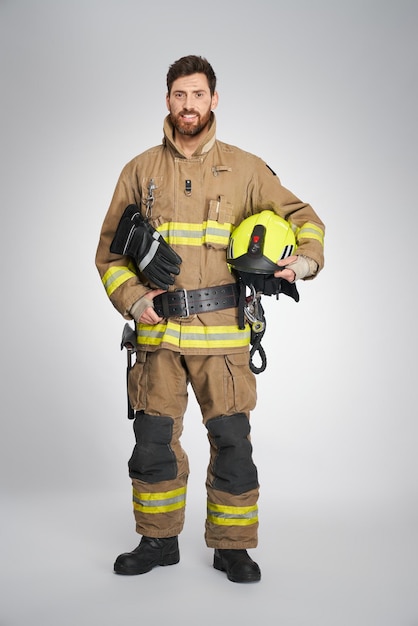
{"points": [[115, 277], [162, 502], [185, 234], [310, 231], [182, 336], [232, 515], [217, 233]]}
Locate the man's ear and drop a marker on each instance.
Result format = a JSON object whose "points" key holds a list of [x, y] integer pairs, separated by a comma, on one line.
{"points": [[215, 99]]}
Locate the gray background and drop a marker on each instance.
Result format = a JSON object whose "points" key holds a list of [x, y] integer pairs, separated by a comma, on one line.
{"points": [[326, 93]]}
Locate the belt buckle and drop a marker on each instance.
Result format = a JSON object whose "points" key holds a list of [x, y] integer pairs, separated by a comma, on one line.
{"points": [[186, 302]]}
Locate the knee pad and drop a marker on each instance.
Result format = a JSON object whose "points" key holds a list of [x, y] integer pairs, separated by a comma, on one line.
{"points": [[152, 459], [233, 467]]}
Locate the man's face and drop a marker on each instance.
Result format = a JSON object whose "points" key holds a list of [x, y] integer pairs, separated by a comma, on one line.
{"points": [[190, 104]]}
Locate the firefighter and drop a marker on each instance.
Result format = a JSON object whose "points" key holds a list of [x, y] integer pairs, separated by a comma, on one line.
{"points": [[162, 259]]}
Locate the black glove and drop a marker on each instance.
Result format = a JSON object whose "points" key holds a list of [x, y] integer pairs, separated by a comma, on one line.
{"points": [[269, 285], [136, 238]]}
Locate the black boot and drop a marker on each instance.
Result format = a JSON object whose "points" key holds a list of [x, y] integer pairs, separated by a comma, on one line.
{"points": [[239, 567], [150, 553]]}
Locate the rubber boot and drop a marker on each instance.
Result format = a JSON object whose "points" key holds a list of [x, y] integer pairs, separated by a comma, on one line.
{"points": [[238, 565], [150, 553]]}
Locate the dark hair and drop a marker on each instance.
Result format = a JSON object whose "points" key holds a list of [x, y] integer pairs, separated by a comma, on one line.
{"points": [[191, 64]]}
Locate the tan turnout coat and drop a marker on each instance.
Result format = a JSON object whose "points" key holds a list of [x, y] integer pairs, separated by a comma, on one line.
{"points": [[227, 185]]}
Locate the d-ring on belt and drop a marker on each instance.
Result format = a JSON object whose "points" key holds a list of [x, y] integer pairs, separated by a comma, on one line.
{"points": [[182, 302]]}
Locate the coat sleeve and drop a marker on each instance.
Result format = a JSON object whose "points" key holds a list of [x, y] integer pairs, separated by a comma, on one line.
{"points": [[309, 230], [118, 273]]}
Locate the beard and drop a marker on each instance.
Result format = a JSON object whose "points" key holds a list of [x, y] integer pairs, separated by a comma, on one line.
{"points": [[188, 128]]}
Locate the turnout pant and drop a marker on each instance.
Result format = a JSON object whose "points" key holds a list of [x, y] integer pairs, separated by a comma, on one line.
{"points": [[225, 389]]}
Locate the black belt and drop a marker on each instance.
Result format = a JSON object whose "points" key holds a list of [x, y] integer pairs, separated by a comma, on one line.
{"points": [[183, 302]]}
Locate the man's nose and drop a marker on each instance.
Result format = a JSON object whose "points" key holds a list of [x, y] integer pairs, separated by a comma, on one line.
{"points": [[188, 103]]}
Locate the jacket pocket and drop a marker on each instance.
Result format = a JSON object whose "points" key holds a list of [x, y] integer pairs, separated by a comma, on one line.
{"points": [[217, 228]]}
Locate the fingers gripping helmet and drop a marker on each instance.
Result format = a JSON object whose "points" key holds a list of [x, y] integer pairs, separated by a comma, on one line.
{"points": [[259, 242]]}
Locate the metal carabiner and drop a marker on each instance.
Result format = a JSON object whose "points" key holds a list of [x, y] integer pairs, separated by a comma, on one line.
{"points": [[253, 313], [149, 201]]}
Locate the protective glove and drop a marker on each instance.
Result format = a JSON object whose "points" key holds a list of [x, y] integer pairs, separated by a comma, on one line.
{"points": [[136, 238]]}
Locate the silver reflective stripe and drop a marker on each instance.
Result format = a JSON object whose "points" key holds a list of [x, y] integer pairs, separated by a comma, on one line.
{"points": [[224, 515], [149, 256], [128, 240], [180, 233], [162, 502], [115, 276], [248, 515], [312, 231], [191, 336]]}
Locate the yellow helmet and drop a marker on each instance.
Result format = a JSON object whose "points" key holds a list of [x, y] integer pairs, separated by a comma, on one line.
{"points": [[259, 242]]}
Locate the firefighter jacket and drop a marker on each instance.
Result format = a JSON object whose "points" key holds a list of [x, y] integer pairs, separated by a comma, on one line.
{"points": [[195, 203]]}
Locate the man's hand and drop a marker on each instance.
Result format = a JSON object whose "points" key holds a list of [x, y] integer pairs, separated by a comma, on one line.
{"points": [[297, 267], [143, 311], [149, 316], [286, 273]]}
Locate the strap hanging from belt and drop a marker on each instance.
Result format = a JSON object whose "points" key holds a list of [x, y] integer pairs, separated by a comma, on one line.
{"points": [[129, 342], [251, 311], [183, 302]]}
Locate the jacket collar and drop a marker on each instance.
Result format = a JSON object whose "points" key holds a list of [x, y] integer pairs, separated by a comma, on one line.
{"points": [[206, 144]]}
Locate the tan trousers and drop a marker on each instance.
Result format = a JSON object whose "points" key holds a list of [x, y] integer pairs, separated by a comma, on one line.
{"points": [[225, 389]]}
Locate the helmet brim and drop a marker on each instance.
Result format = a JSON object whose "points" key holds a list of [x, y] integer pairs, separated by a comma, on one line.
{"points": [[245, 263]]}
